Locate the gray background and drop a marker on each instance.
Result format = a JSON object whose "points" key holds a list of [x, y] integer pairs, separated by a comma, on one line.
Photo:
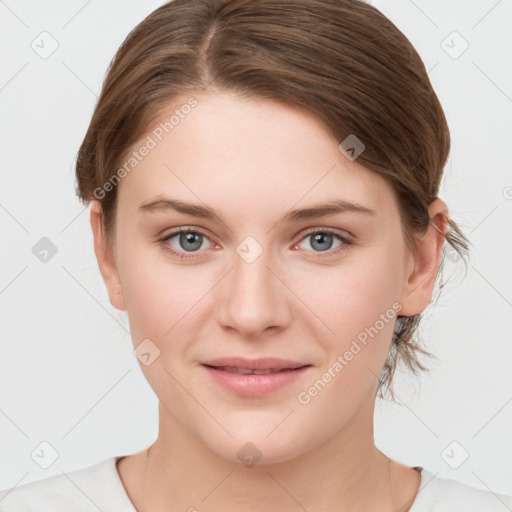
{"points": [[68, 377]]}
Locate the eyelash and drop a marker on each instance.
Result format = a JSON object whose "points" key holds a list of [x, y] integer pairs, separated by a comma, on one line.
{"points": [[331, 252]]}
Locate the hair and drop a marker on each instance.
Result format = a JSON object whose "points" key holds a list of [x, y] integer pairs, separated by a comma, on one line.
{"points": [[341, 60]]}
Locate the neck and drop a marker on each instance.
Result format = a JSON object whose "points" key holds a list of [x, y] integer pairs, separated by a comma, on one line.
{"points": [[346, 472]]}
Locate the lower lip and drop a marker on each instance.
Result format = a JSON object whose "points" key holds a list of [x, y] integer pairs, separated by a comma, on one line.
{"points": [[253, 385]]}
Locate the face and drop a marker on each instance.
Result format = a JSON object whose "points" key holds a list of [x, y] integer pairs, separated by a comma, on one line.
{"points": [[251, 280]]}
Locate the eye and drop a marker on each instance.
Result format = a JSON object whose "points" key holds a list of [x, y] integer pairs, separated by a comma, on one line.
{"points": [[322, 241], [187, 241]]}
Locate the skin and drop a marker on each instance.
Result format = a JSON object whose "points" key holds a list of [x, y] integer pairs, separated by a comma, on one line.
{"points": [[252, 161]]}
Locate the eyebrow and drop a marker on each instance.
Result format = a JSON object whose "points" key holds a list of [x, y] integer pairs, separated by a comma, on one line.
{"points": [[331, 207]]}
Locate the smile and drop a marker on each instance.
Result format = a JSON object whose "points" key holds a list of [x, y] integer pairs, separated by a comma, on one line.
{"points": [[249, 371], [251, 382]]}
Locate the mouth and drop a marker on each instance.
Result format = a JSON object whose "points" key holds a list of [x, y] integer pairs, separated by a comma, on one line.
{"points": [[256, 377], [249, 371]]}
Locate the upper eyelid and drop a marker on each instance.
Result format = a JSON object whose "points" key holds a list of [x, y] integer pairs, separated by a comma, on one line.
{"points": [[306, 233], [335, 231]]}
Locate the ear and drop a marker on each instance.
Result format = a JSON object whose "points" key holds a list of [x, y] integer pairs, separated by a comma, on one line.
{"points": [[106, 258], [424, 264]]}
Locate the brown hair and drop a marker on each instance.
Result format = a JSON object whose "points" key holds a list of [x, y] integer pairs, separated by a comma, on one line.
{"points": [[342, 60]]}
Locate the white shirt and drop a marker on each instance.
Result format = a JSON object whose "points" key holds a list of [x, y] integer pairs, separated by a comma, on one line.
{"points": [[99, 488]]}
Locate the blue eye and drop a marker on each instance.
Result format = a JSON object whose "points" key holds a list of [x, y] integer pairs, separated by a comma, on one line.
{"points": [[189, 242], [322, 239]]}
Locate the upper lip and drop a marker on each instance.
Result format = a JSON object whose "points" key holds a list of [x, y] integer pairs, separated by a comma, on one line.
{"points": [[263, 363]]}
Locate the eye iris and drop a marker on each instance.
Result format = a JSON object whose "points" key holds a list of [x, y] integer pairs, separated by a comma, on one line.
{"points": [[189, 238], [322, 241], [320, 237]]}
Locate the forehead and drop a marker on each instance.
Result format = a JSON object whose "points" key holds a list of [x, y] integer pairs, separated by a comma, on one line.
{"points": [[225, 150]]}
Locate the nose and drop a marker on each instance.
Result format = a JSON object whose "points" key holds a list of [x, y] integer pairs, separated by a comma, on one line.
{"points": [[254, 298]]}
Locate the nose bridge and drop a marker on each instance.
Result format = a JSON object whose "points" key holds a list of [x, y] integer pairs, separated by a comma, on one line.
{"points": [[254, 298]]}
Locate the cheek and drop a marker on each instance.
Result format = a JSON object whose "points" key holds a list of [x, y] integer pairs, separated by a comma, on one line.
{"points": [[352, 296], [359, 306], [358, 301], [161, 297]]}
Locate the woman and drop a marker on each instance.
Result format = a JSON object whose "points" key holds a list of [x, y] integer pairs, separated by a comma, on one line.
{"points": [[263, 179]]}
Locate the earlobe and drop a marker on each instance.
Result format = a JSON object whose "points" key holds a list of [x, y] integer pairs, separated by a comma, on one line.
{"points": [[424, 264], [105, 257]]}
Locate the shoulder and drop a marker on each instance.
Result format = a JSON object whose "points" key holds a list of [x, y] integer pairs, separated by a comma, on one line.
{"points": [[97, 487], [447, 495]]}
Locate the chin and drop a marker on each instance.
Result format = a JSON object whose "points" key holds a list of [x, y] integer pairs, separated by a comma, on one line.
{"points": [[260, 453], [255, 447]]}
